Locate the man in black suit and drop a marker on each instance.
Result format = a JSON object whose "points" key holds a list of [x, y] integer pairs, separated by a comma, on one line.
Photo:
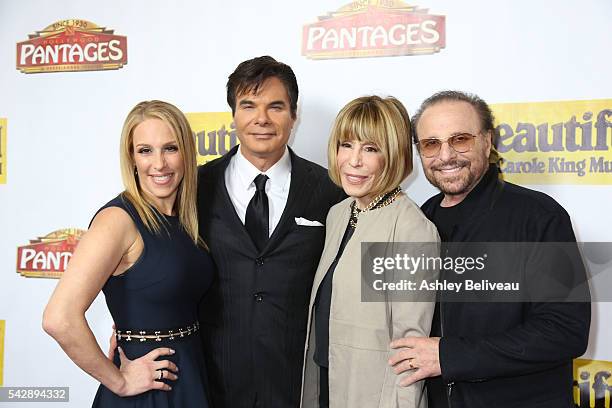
{"points": [[262, 211]]}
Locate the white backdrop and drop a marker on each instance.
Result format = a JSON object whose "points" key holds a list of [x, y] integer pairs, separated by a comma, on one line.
{"points": [[64, 128]]}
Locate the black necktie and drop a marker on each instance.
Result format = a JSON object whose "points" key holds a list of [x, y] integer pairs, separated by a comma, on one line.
{"points": [[256, 221]]}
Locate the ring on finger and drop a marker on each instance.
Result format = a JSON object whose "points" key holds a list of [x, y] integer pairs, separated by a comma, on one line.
{"points": [[410, 364], [161, 375]]}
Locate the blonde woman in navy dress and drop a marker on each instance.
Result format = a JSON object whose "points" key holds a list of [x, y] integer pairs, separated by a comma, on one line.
{"points": [[143, 251]]}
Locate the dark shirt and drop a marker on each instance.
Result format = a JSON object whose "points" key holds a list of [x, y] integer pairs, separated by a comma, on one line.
{"points": [[445, 219], [323, 300], [323, 304], [506, 354]]}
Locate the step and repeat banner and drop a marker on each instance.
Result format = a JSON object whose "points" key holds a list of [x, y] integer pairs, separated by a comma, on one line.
{"points": [[71, 71]]}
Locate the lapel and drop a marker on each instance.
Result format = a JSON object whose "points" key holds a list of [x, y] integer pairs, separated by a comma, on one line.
{"points": [[299, 190], [333, 238], [225, 208]]}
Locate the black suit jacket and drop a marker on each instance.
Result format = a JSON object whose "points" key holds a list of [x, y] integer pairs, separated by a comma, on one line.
{"points": [[254, 316]]}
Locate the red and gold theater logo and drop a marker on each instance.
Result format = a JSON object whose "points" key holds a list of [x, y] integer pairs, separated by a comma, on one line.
{"points": [[48, 256], [374, 28], [72, 45]]}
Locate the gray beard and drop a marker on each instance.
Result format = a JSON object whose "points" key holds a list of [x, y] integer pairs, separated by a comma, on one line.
{"points": [[457, 185]]}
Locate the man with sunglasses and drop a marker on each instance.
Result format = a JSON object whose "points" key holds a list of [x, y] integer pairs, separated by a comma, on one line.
{"points": [[488, 354]]}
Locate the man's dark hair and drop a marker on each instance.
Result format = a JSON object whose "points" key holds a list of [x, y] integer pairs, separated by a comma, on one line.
{"points": [[251, 74], [482, 109]]}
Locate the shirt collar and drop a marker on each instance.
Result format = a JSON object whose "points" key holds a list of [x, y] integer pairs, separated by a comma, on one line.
{"points": [[246, 171]]}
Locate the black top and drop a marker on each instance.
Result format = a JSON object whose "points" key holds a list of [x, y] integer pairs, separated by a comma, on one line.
{"points": [[163, 287], [324, 293], [161, 292], [507, 354], [445, 219], [323, 304]]}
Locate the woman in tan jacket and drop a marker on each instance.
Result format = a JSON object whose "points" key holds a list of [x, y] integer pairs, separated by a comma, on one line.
{"points": [[347, 346]]}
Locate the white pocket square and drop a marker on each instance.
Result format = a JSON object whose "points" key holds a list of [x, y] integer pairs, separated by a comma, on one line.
{"points": [[307, 223]]}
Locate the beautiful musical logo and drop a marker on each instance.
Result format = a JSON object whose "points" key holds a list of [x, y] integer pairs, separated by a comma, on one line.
{"points": [[214, 132], [592, 383], [374, 28], [561, 142], [72, 45], [48, 256]]}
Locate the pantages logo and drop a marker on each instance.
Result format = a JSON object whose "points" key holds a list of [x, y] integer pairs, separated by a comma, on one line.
{"points": [[561, 142], [72, 45], [374, 28], [48, 256]]}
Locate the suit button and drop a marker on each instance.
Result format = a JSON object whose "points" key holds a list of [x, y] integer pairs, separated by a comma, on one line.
{"points": [[259, 261], [258, 297]]}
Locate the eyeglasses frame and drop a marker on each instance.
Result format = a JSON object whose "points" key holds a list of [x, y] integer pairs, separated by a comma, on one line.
{"points": [[446, 141]]}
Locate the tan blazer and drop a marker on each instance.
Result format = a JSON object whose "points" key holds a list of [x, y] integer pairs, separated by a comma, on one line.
{"points": [[360, 332]]}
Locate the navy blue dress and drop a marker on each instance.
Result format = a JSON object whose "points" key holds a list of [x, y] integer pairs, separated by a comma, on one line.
{"points": [[161, 292]]}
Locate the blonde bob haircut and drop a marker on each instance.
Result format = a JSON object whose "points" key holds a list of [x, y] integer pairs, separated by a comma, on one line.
{"points": [[185, 204], [383, 122]]}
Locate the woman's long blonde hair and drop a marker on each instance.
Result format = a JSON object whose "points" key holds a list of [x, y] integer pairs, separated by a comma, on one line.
{"points": [[185, 204]]}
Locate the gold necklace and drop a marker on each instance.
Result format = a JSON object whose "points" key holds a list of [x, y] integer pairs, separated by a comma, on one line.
{"points": [[378, 202]]}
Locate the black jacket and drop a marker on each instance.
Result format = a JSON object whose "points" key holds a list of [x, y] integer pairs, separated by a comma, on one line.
{"points": [[254, 316], [507, 354]]}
